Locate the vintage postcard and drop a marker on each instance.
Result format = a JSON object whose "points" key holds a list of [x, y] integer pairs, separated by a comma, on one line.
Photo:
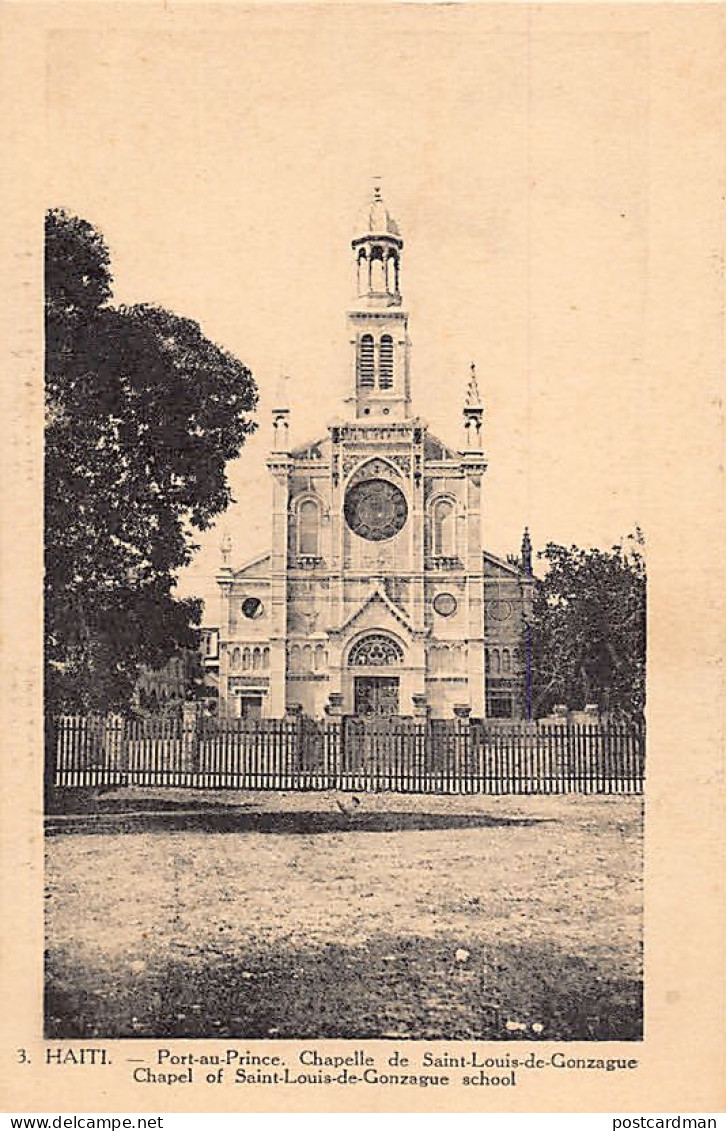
{"points": [[363, 574]]}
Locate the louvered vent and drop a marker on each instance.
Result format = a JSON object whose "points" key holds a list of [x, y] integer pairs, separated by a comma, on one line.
{"points": [[366, 362], [386, 362]]}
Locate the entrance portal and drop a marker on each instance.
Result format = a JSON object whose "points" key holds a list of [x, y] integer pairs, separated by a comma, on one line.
{"points": [[249, 706], [376, 695]]}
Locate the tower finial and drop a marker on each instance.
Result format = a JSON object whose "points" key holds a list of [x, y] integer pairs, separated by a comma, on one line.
{"points": [[376, 187], [225, 547], [473, 412], [527, 552], [473, 396]]}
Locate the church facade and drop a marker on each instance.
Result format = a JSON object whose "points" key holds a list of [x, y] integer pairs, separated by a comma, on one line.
{"points": [[376, 597]]}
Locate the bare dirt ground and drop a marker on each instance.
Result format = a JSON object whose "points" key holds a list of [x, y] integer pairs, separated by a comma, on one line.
{"points": [[253, 915]]}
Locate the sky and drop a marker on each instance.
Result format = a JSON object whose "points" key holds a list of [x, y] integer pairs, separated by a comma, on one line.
{"points": [[226, 165]]}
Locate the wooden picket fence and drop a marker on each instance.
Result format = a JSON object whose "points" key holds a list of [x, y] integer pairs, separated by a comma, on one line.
{"points": [[351, 753]]}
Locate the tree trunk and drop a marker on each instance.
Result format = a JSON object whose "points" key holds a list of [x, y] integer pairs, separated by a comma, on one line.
{"points": [[49, 753]]}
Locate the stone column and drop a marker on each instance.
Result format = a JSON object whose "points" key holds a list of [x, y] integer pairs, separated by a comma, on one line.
{"points": [[474, 467], [224, 581], [279, 466], [421, 708], [334, 708]]}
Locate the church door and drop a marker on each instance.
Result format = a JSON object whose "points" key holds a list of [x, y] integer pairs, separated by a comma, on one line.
{"points": [[249, 706], [376, 695]]}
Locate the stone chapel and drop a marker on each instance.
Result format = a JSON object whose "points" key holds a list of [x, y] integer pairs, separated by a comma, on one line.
{"points": [[376, 597]]}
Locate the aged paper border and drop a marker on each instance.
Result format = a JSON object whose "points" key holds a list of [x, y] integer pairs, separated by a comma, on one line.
{"points": [[682, 1054]]}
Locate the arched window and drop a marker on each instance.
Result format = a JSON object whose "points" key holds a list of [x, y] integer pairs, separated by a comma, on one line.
{"points": [[385, 363], [495, 661], [378, 271], [392, 274], [375, 650], [307, 659], [444, 532], [365, 362], [295, 658], [307, 541], [256, 660], [265, 657], [319, 657], [246, 659], [236, 655], [362, 271], [506, 662]]}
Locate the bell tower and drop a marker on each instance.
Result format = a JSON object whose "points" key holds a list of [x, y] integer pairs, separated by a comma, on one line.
{"points": [[378, 326]]}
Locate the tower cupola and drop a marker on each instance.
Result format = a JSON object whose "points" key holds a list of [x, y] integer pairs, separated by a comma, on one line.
{"points": [[377, 248]]}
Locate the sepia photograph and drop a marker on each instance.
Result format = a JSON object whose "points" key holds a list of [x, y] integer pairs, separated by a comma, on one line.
{"points": [[345, 564]]}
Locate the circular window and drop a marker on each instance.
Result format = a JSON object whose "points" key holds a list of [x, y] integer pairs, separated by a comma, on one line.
{"points": [[445, 604], [500, 610], [252, 608], [375, 509]]}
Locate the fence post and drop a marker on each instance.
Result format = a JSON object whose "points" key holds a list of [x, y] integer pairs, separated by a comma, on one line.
{"points": [[334, 740], [462, 747], [292, 740], [112, 742], [189, 738]]}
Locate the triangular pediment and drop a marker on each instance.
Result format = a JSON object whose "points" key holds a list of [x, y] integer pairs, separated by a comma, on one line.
{"points": [[498, 567], [435, 449], [311, 450], [377, 611], [255, 567]]}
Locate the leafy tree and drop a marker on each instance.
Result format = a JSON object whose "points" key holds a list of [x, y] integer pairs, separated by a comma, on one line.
{"points": [[587, 633], [142, 415]]}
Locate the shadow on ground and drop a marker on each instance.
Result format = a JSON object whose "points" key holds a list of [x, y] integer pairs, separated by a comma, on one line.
{"points": [[390, 987], [232, 819]]}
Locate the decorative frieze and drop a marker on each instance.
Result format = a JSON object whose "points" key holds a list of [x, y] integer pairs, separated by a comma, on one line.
{"points": [[248, 681], [393, 432]]}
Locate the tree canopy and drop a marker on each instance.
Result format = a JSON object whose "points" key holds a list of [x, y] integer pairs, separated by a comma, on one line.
{"points": [[142, 415], [587, 636]]}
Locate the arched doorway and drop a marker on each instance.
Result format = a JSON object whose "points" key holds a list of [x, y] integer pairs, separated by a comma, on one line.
{"points": [[376, 686]]}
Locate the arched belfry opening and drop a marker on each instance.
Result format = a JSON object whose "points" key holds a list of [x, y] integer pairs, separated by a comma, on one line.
{"points": [[366, 362], [377, 246], [385, 362]]}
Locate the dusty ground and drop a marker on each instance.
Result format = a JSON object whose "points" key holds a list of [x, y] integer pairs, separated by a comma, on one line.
{"points": [[278, 915]]}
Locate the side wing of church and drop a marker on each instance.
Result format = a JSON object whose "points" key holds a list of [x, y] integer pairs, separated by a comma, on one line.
{"points": [[376, 597]]}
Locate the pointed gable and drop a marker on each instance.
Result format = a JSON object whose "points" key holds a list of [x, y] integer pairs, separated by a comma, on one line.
{"points": [[375, 610], [311, 451], [435, 449], [494, 567], [258, 567]]}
